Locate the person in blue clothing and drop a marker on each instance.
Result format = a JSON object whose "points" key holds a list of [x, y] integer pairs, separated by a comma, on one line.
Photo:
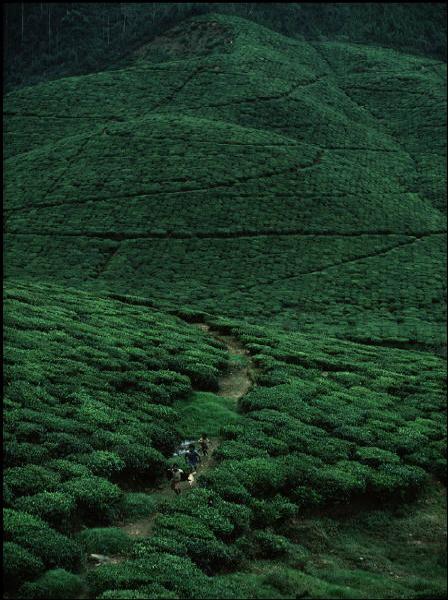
{"points": [[192, 457]]}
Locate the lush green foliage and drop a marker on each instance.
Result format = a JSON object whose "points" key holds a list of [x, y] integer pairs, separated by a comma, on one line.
{"points": [[57, 508], [328, 422], [104, 540], [19, 564], [331, 157], [52, 548], [205, 412], [53, 585], [306, 214], [70, 439]]}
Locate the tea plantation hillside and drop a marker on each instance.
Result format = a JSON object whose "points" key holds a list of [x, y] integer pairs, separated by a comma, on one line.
{"points": [[234, 170], [240, 233], [93, 389]]}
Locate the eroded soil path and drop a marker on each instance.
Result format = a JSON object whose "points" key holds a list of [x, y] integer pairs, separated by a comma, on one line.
{"points": [[235, 383]]}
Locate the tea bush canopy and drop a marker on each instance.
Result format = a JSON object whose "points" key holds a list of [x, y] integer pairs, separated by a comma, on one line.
{"points": [[235, 230], [319, 181], [314, 440]]}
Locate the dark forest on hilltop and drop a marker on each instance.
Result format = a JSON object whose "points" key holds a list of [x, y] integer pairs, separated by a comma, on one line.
{"points": [[45, 40]]}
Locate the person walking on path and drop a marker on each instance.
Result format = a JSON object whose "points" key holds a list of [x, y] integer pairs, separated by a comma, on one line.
{"points": [[204, 443], [192, 457], [176, 477]]}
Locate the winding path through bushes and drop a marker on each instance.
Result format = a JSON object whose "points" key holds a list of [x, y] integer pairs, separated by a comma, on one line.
{"points": [[235, 383]]}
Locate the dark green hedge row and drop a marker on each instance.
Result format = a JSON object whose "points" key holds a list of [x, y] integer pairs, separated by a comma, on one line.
{"points": [[311, 182], [88, 395], [327, 422], [294, 450]]}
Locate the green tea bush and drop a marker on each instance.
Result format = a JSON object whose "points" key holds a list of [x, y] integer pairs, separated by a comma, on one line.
{"points": [[237, 586], [19, 565], [56, 508], [396, 478], [184, 525], [225, 484], [292, 582], [259, 475], [232, 431], [272, 377], [21, 453], [135, 505], [431, 458], [53, 585], [173, 572], [233, 450], [153, 592], [133, 594], [176, 385], [96, 498], [213, 556], [29, 432], [255, 437], [8, 497], [199, 535], [163, 438], [305, 497], [66, 469], [376, 456], [61, 444], [102, 462], [202, 377], [30, 479], [54, 549], [106, 540], [300, 468], [208, 508], [339, 482], [142, 460], [272, 512], [361, 435], [271, 545], [328, 449], [145, 547]]}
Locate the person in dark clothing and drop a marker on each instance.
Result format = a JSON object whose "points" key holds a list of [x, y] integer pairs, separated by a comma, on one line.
{"points": [[192, 457], [204, 443]]}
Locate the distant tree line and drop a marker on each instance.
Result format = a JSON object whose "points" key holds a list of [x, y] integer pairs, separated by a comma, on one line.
{"points": [[44, 40]]}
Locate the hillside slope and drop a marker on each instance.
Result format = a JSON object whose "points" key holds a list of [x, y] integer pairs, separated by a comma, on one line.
{"points": [[235, 170], [95, 390]]}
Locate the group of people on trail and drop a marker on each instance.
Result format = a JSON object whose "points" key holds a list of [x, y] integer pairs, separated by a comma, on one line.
{"points": [[193, 458]]}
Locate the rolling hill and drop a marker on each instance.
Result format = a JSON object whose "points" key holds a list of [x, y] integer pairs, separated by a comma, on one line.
{"points": [[231, 201], [231, 166]]}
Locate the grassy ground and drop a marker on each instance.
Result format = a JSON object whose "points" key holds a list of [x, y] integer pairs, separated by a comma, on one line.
{"points": [[392, 553], [205, 412]]}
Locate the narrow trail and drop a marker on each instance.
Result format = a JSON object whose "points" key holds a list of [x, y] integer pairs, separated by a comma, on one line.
{"points": [[234, 383], [237, 381]]}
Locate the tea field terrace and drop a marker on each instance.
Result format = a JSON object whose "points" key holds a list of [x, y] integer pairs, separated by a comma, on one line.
{"points": [[318, 181], [89, 380]]}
